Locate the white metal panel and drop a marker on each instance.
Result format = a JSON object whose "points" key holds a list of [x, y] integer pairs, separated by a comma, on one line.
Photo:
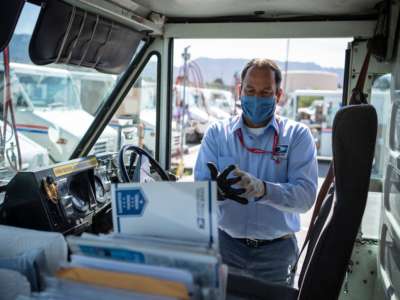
{"points": [[375, 69], [360, 279], [323, 29], [162, 46], [213, 8]]}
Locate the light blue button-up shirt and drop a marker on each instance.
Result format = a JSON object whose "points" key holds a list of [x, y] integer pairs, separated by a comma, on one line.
{"points": [[291, 184]]}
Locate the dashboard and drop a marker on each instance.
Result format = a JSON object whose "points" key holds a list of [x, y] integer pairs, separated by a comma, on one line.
{"points": [[69, 197]]}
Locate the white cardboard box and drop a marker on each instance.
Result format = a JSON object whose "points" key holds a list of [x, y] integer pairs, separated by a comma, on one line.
{"points": [[184, 211]]}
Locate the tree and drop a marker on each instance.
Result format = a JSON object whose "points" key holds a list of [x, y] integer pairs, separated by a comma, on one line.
{"points": [[219, 82]]}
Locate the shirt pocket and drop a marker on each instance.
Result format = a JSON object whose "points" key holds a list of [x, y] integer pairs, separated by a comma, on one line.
{"points": [[225, 161], [279, 170]]}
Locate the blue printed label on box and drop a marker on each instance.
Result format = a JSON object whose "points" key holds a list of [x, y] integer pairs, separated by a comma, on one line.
{"points": [[119, 254], [131, 202]]}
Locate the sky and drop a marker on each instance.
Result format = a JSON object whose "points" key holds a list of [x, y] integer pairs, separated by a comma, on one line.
{"points": [[28, 18], [325, 52]]}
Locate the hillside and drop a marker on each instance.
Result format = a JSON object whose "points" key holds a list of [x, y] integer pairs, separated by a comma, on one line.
{"points": [[211, 68]]}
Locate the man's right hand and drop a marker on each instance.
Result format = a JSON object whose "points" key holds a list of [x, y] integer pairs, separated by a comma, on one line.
{"points": [[224, 184]]}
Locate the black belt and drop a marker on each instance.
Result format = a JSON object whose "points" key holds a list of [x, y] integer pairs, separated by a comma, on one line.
{"points": [[255, 243]]}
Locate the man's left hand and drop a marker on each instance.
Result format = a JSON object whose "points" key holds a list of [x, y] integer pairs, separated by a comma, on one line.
{"points": [[224, 184], [254, 187]]}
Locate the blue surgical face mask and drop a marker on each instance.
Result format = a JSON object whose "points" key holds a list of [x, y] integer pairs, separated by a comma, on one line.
{"points": [[258, 109]]}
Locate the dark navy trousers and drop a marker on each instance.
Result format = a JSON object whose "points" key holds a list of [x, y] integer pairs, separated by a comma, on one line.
{"points": [[270, 262]]}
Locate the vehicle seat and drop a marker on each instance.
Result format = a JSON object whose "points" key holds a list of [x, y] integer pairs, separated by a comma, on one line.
{"points": [[336, 228]]}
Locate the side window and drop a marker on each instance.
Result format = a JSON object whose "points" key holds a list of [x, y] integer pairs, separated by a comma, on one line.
{"points": [[392, 195], [135, 120], [380, 99], [18, 95], [394, 139]]}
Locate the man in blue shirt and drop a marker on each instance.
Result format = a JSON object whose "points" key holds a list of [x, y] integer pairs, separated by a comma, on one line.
{"points": [[273, 181]]}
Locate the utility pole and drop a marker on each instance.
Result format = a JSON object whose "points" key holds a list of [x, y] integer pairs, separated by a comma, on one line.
{"points": [[286, 65], [186, 57]]}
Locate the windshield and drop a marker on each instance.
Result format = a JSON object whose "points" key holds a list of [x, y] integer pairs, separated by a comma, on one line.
{"points": [[149, 92], [53, 105], [48, 91]]}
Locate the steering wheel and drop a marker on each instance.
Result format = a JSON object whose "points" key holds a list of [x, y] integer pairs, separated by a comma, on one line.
{"points": [[140, 152]]}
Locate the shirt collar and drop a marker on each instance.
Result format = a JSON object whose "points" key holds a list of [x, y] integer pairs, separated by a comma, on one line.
{"points": [[238, 123]]}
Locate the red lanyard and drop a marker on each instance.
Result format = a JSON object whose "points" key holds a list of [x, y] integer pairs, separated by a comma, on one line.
{"points": [[239, 133]]}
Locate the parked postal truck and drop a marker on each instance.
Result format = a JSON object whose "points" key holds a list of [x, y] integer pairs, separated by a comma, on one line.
{"points": [[32, 154], [48, 111]]}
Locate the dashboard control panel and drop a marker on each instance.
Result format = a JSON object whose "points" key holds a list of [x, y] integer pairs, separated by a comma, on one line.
{"points": [[65, 197]]}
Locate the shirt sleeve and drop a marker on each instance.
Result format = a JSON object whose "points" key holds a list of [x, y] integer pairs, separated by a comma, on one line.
{"points": [[299, 193], [208, 153]]}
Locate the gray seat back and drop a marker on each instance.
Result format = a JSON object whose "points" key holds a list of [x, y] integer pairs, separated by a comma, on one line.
{"points": [[328, 254]]}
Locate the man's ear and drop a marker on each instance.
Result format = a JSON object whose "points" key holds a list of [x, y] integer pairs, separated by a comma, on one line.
{"points": [[239, 89], [279, 95]]}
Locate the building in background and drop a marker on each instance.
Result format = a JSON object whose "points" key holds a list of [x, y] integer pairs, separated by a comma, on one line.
{"points": [[309, 80]]}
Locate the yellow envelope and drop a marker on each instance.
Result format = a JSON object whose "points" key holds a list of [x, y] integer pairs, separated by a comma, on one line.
{"points": [[132, 282]]}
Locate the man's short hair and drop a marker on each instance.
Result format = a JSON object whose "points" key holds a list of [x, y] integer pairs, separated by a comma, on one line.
{"points": [[264, 63]]}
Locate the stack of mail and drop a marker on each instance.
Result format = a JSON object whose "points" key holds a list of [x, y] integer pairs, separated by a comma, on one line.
{"points": [[164, 246], [62, 289], [165, 243]]}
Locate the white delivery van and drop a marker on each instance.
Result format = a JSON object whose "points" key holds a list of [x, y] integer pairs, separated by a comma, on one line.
{"points": [[196, 117], [220, 102], [33, 155], [321, 113], [139, 117], [49, 112]]}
